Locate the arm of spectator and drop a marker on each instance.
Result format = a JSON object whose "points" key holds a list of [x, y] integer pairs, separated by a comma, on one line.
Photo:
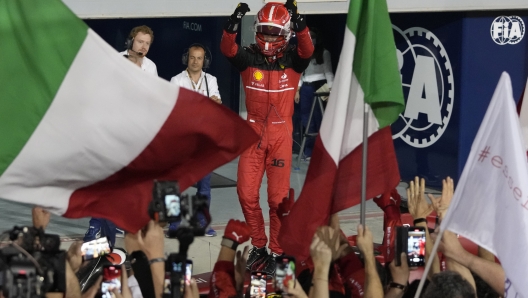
{"points": [[41, 217], [92, 292], [321, 257], [373, 287], [240, 269], [450, 239], [485, 254], [441, 204], [151, 242], [213, 88], [225, 282], [191, 289], [400, 276], [73, 289], [491, 272], [74, 256], [419, 208]]}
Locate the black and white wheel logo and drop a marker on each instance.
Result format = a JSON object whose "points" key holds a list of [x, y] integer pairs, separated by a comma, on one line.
{"points": [[428, 86]]}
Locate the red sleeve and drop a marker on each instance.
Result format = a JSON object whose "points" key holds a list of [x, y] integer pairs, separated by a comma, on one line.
{"points": [[222, 284], [228, 45], [353, 274], [305, 46]]}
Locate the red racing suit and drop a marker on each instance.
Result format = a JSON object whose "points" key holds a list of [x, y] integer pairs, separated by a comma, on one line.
{"points": [[270, 89]]}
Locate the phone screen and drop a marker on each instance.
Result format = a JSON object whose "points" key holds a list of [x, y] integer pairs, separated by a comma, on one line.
{"points": [[416, 246], [172, 205], [111, 280], [95, 248], [284, 272], [188, 271], [258, 285]]}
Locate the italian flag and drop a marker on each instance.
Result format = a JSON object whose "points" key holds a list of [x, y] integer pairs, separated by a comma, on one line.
{"points": [[85, 131], [368, 72]]}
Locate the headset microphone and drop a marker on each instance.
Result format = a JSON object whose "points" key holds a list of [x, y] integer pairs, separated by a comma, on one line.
{"points": [[139, 53]]}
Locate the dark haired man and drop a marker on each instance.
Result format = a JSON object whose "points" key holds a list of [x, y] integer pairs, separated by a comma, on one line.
{"points": [[270, 71], [194, 78]]}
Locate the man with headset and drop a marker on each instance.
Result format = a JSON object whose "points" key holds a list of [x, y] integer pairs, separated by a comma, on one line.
{"points": [[196, 58], [137, 46]]}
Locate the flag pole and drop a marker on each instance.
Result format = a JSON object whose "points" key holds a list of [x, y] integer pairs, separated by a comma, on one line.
{"points": [[364, 166], [429, 263]]}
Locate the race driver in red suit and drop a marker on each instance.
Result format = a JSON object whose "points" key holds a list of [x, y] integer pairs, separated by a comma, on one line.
{"points": [[270, 71]]}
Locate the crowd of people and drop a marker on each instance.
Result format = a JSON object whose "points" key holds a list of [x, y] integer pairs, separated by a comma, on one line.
{"points": [[338, 266]]}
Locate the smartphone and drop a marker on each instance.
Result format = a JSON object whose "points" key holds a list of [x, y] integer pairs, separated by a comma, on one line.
{"points": [[111, 280], [411, 241], [258, 285], [284, 272], [95, 248], [416, 246]]}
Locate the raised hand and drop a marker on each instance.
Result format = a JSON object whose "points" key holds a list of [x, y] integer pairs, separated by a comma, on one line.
{"points": [[364, 240], [291, 6], [240, 268], [320, 252], [441, 203], [418, 206], [240, 11]]}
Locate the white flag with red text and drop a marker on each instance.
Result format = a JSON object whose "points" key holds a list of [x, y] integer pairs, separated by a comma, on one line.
{"points": [[490, 204], [523, 116]]}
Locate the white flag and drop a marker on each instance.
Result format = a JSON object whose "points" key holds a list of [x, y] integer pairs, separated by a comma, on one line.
{"points": [[523, 116], [490, 204]]}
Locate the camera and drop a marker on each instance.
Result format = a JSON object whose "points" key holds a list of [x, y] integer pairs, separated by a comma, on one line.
{"points": [[33, 264], [169, 205]]}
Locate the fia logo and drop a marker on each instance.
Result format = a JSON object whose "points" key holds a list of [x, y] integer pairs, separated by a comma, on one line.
{"points": [[507, 30], [428, 86]]}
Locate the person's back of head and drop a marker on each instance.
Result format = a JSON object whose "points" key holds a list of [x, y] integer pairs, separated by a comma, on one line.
{"points": [[449, 284]]}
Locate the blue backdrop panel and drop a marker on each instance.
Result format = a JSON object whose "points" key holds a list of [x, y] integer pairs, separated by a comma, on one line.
{"points": [[172, 36], [483, 61]]}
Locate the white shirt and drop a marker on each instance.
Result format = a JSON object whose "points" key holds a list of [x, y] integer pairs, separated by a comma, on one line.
{"points": [[147, 65], [185, 81], [317, 72]]}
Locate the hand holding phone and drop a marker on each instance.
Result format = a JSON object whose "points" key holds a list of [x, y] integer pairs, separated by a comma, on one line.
{"points": [[411, 241]]}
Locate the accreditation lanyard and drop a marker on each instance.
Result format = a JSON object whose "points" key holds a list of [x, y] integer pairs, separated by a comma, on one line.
{"points": [[195, 88]]}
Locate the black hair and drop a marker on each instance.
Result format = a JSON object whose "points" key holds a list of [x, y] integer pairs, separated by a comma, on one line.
{"points": [[449, 284], [483, 289], [318, 46]]}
